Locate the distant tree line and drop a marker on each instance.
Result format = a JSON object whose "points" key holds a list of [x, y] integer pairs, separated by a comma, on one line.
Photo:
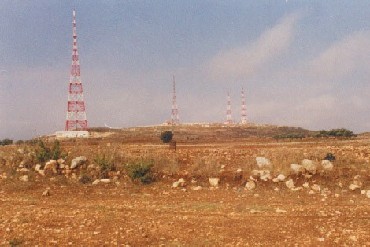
{"points": [[335, 133], [5, 142], [322, 133], [290, 136]]}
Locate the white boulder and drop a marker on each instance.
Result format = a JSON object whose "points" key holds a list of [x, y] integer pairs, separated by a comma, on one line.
{"points": [[24, 178], [250, 185], [309, 166], [263, 163], [296, 168], [327, 165], [78, 161], [290, 184], [214, 181]]}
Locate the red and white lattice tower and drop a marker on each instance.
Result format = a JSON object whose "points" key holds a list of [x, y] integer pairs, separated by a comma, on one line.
{"points": [[175, 111], [244, 109], [76, 114], [228, 110]]}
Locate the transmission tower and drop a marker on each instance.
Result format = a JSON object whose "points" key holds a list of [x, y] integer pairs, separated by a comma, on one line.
{"points": [[76, 114], [228, 110], [244, 109], [175, 120]]}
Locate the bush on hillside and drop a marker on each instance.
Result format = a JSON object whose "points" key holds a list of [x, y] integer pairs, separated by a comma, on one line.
{"points": [[140, 171], [166, 136]]}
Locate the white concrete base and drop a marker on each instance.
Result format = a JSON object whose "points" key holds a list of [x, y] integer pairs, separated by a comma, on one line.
{"points": [[71, 134]]}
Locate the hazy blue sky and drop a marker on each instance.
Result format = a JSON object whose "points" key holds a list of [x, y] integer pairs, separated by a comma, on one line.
{"points": [[302, 63]]}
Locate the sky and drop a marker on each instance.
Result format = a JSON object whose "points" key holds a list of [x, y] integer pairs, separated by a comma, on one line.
{"points": [[301, 63]]}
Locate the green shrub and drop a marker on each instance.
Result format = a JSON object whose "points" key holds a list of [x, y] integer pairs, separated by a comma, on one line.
{"points": [[140, 171], [166, 136], [105, 164], [44, 153]]}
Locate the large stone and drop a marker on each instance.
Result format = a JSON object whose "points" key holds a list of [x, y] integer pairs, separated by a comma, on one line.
{"points": [[180, 183], [368, 194], [296, 168], [51, 165], [309, 166], [46, 192], [196, 187], [24, 178], [316, 187], [279, 178], [290, 184], [37, 167], [214, 181], [78, 161], [263, 163], [96, 181], [265, 175], [355, 185], [327, 165], [250, 185]]}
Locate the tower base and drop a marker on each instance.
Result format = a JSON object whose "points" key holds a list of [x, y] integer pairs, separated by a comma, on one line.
{"points": [[71, 134]]}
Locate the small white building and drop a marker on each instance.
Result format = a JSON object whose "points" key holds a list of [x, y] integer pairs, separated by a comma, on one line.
{"points": [[71, 134]]}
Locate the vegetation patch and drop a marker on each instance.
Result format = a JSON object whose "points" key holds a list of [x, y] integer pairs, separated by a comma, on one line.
{"points": [[140, 171]]}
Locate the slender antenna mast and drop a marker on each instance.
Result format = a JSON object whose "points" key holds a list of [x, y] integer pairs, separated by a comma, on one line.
{"points": [[76, 114], [228, 110], [175, 120], [244, 109]]}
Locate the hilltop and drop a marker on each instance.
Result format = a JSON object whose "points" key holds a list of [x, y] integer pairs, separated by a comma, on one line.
{"points": [[199, 132]]}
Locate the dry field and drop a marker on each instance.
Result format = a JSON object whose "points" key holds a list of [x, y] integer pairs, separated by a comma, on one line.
{"points": [[126, 213]]}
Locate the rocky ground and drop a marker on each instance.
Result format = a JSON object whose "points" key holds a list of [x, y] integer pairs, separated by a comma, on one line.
{"points": [[159, 215], [264, 193]]}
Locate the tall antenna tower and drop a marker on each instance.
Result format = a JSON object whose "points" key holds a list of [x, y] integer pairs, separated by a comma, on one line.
{"points": [[175, 111], [76, 114], [244, 109], [228, 111]]}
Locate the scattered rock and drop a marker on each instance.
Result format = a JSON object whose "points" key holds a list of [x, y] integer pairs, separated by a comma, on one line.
{"points": [[180, 183], [41, 172], [46, 192], [105, 180], [214, 181], [96, 181], [290, 184], [196, 187], [51, 165], [309, 166], [250, 185], [37, 167], [296, 168], [306, 185], [263, 163], [175, 184], [24, 178], [327, 165], [316, 187], [278, 210], [368, 194], [297, 188], [355, 185], [76, 162], [279, 178]]}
